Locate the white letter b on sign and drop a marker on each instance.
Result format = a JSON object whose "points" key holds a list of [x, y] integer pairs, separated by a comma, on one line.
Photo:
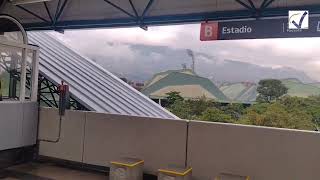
{"points": [[208, 31]]}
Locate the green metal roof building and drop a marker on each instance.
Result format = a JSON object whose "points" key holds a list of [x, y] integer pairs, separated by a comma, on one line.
{"points": [[190, 86]]}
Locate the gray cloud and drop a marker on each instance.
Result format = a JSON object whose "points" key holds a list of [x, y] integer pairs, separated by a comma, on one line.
{"points": [[111, 47]]}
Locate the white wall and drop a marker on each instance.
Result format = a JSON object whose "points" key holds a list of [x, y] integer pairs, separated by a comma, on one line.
{"points": [[97, 138], [18, 124], [70, 145], [261, 153], [213, 148]]}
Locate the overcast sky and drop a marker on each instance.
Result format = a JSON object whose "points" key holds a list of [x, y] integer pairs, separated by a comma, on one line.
{"points": [[302, 54]]}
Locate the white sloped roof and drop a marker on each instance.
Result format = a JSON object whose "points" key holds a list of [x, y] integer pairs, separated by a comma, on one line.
{"points": [[93, 86], [77, 14]]}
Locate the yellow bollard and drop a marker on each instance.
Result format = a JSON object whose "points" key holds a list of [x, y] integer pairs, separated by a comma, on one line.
{"points": [[126, 169], [175, 173]]}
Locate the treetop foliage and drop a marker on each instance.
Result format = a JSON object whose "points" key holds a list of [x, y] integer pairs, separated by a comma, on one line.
{"points": [[282, 112], [270, 90]]}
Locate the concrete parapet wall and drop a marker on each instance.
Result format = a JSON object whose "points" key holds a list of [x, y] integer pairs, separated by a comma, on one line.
{"points": [[213, 148]]}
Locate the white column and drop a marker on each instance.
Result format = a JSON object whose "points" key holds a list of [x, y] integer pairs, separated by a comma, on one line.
{"points": [[35, 75], [23, 75]]}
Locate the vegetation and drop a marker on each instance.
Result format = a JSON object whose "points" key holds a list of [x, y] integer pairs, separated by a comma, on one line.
{"points": [[300, 89], [4, 79], [215, 115], [273, 110], [270, 90], [173, 96]]}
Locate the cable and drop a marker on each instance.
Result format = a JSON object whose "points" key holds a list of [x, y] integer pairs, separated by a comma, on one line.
{"points": [[59, 133], [63, 104]]}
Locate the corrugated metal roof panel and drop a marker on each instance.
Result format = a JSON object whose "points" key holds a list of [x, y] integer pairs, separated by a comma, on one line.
{"points": [[90, 84]]}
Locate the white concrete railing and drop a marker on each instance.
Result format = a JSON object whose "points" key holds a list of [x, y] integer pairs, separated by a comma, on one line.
{"points": [[18, 124], [97, 138], [213, 148]]}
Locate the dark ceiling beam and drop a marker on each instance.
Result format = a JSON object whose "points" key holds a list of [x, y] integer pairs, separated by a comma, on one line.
{"points": [[2, 3], [146, 10], [252, 5], [172, 19], [244, 4], [57, 10], [263, 3], [139, 18], [134, 9], [32, 13], [256, 12], [268, 3], [47, 9], [61, 10], [119, 8]]}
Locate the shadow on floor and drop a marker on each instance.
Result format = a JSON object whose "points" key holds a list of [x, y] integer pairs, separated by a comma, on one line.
{"points": [[50, 171]]}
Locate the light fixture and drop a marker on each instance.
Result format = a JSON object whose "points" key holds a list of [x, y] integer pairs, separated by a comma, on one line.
{"points": [[20, 2]]}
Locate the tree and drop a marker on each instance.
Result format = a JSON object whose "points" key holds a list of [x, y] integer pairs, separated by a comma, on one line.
{"points": [[173, 96], [310, 106], [215, 115], [300, 119], [181, 109], [198, 106], [270, 90], [277, 115], [235, 110]]}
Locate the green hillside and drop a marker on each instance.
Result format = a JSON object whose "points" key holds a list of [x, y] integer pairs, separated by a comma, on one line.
{"points": [[240, 92], [297, 88], [246, 92], [317, 84]]}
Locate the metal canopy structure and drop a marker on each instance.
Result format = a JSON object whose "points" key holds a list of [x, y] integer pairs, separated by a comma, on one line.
{"points": [[90, 85], [76, 14]]}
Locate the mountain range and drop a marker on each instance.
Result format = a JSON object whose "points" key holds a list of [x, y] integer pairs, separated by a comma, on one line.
{"points": [[145, 60], [247, 92]]}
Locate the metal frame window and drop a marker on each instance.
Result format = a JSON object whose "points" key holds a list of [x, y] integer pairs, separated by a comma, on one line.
{"points": [[31, 69]]}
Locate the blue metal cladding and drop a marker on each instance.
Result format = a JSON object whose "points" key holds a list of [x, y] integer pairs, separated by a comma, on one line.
{"points": [[90, 84]]}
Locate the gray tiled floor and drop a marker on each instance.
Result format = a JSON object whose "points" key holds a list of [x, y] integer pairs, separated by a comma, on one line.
{"points": [[41, 171]]}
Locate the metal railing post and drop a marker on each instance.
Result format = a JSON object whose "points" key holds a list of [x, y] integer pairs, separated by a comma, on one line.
{"points": [[23, 75], [35, 75]]}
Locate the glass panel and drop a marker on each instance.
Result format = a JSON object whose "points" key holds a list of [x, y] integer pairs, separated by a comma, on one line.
{"points": [[9, 31], [10, 71]]}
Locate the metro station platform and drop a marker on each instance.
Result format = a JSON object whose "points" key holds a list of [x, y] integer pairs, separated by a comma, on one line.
{"points": [[49, 171], [53, 171]]}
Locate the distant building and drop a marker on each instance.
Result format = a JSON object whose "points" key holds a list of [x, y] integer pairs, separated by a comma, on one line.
{"points": [[137, 85], [190, 86]]}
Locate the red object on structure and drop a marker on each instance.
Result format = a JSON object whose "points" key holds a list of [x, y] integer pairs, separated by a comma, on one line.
{"points": [[63, 88], [209, 31], [64, 98]]}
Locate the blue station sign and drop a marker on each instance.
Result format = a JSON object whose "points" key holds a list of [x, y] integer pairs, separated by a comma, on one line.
{"points": [[257, 29]]}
